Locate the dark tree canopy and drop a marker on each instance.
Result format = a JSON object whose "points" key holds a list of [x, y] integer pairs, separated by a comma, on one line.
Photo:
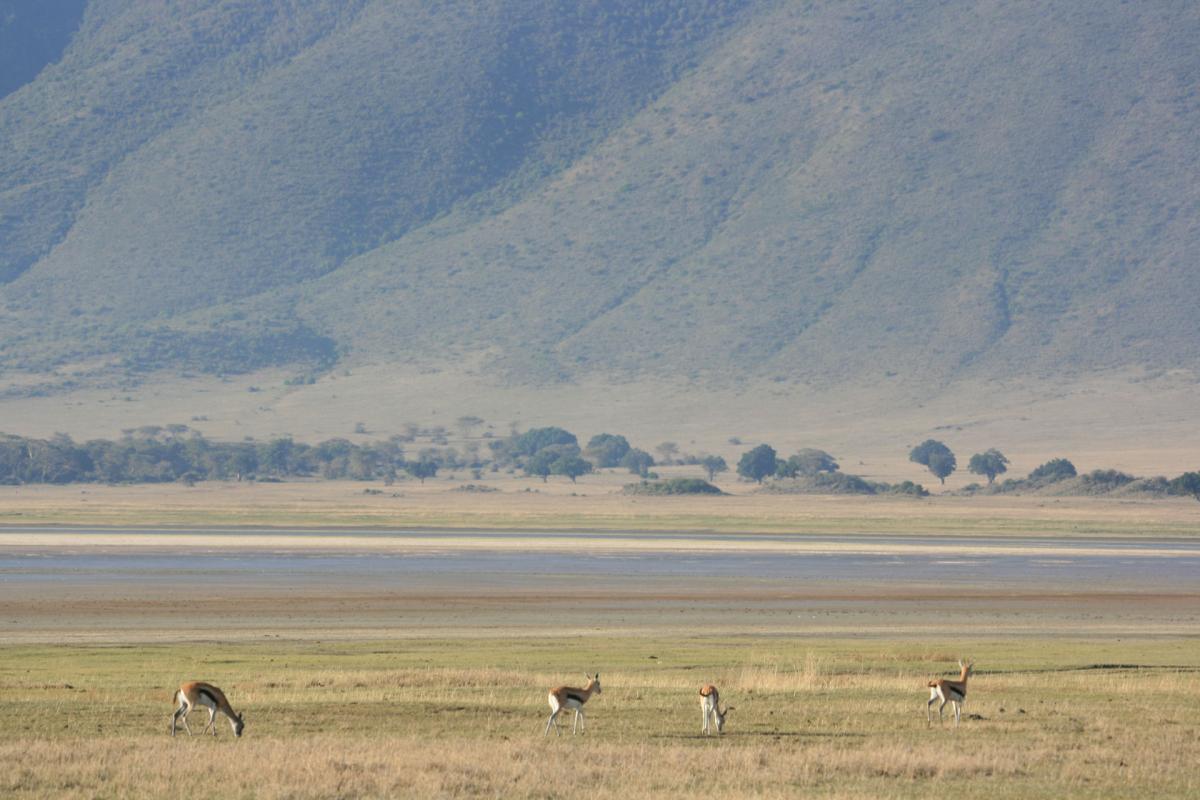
{"points": [[758, 463], [809, 461], [542, 463], [713, 464], [571, 466], [539, 464], [638, 462], [990, 463], [936, 456], [1187, 483], [1056, 469], [607, 449], [421, 469], [537, 439]]}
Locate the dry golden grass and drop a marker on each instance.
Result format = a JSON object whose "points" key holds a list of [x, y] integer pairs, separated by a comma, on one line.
{"points": [[463, 719], [594, 504]]}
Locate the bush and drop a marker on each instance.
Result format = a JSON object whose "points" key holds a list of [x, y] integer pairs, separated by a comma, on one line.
{"points": [[1056, 469], [1187, 483], [1106, 480], [673, 486], [908, 488]]}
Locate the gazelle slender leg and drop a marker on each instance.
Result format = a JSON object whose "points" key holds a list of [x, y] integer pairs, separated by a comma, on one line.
{"points": [[183, 719], [704, 721], [575, 724], [929, 708], [553, 721], [175, 717], [940, 707], [957, 712], [582, 719], [212, 720]]}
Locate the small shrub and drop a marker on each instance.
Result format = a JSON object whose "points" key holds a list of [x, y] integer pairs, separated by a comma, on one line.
{"points": [[909, 488], [1056, 469], [673, 486], [1106, 479]]}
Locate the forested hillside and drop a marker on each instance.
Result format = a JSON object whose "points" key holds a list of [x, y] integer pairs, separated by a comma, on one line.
{"points": [[821, 192]]}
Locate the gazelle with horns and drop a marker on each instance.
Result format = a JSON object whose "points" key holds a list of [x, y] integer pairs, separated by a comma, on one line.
{"points": [[710, 709], [195, 693], [570, 697], [953, 692]]}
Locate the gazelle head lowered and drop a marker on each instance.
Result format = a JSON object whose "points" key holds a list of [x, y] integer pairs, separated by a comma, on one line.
{"points": [[710, 709]]}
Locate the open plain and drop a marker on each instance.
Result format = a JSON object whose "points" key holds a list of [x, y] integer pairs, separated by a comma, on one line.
{"points": [[402, 644]]}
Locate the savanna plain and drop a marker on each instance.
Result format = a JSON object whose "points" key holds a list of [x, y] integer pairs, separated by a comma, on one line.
{"points": [[431, 681]]}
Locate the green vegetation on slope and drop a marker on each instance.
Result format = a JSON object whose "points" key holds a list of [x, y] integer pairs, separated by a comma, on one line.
{"points": [[651, 188]]}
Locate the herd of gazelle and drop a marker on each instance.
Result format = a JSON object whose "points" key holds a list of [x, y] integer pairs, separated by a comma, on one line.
{"points": [[196, 693]]}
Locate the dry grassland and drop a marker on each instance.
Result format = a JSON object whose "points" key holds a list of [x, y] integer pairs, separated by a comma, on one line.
{"points": [[1143, 424], [464, 718], [453, 705], [593, 504]]}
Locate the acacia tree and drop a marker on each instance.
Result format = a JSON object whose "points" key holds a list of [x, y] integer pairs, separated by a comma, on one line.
{"points": [[421, 469], [713, 464], [571, 466], [541, 463], [467, 424], [1187, 483], [808, 461], [936, 457], [758, 463], [608, 449], [638, 462], [990, 463]]}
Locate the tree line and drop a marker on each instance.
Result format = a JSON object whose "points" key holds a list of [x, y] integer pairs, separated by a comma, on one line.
{"points": [[156, 454], [941, 462]]}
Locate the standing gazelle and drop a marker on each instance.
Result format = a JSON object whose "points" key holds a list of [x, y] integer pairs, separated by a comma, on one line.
{"points": [[710, 708], [570, 697], [954, 692], [195, 693]]}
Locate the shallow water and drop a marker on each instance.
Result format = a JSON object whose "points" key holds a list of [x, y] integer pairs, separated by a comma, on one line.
{"points": [[1066, 563]]}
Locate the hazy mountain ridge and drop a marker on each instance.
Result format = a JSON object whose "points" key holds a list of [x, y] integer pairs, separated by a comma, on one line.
{"points": [[829, 192]]}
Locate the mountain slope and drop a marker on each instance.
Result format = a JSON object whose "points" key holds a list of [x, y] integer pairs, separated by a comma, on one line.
{"points": [[827, 193]]}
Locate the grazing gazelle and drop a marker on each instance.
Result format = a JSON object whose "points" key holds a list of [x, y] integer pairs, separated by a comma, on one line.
{"points": [[195, 693], [954, 692], [710, 708], [570, 697]]}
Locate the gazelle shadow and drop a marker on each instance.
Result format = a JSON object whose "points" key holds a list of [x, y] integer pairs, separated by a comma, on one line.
{"points": [[763, 734]]}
